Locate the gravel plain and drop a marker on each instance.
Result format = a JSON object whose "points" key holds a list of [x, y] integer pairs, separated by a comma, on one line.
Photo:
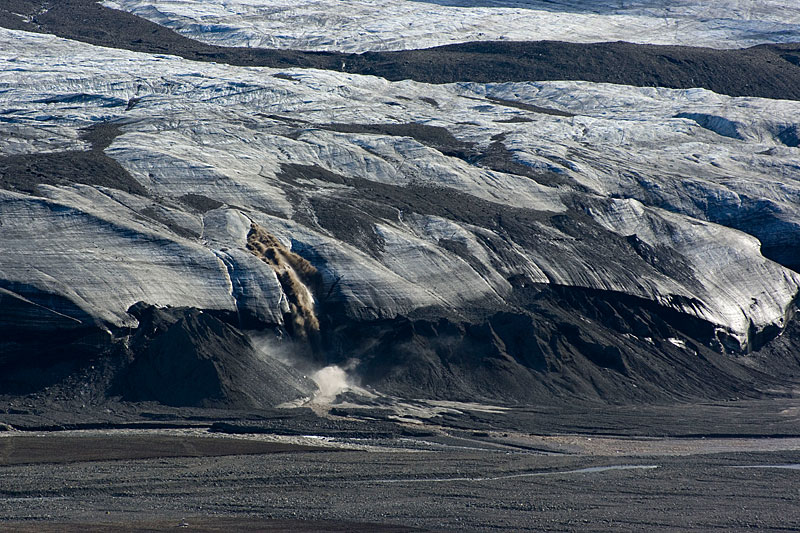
{"points": [[443, 479]]}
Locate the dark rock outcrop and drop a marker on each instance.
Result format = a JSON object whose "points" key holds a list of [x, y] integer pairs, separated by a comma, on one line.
{"points": [[187, 357], [567, 345], [45, 337]]}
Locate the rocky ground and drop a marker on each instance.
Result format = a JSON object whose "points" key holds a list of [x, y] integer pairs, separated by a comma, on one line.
{"points": [[723, 467]]}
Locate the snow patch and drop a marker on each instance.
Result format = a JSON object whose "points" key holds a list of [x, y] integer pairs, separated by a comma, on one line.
{"points": [[677, 342]]}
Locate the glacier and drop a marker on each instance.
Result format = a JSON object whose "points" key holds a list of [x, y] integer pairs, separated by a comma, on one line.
{"points": [[366, 25], [130, 178]]}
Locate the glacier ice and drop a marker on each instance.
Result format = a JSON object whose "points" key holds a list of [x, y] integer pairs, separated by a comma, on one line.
{"points": [[369, 25], [639, 174]]}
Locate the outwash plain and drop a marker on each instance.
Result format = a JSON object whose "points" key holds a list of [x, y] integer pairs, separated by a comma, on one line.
{"points": [[412, 265]]}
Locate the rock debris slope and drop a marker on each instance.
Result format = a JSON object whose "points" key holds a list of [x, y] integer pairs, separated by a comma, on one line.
{"points": [[215, 224]]}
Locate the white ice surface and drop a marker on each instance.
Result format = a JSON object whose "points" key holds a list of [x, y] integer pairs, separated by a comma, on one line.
{"points": [[223, 132], [372, 25]]}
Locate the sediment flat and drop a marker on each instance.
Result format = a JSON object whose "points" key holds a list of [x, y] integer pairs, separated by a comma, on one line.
{"points": [[445, 478], [56, 448]]}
